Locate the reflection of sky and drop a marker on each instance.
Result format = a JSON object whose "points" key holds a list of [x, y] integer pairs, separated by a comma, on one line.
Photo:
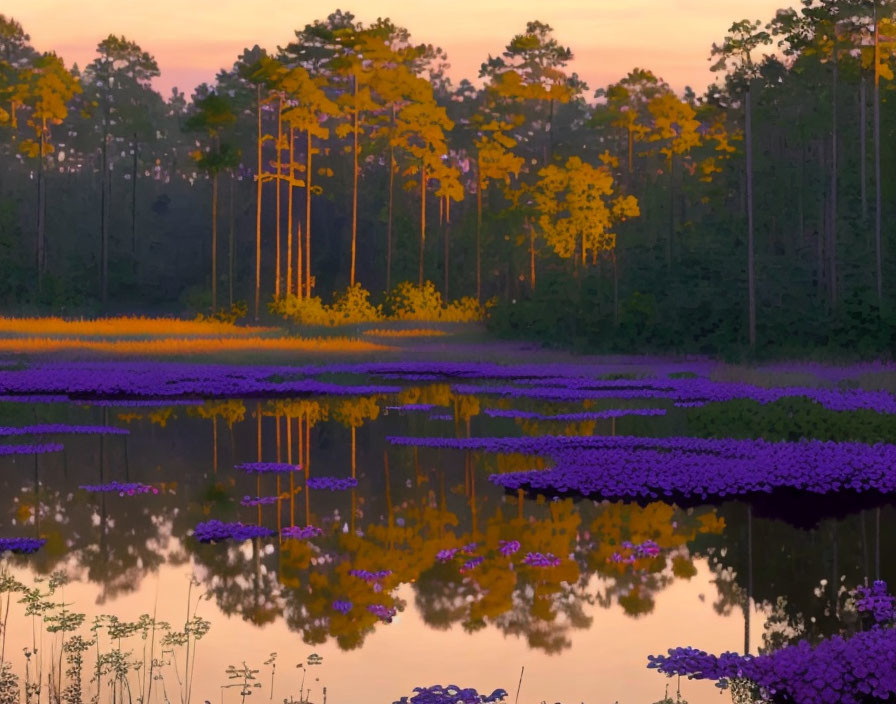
{"points": [[192, 40], [606, 662]]}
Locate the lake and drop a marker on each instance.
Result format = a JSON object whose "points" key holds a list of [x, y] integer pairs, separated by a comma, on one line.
{"points": [[411, 561]]}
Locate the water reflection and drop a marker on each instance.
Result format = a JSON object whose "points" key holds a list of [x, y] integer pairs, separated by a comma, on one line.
{"points": [[411, 504]]}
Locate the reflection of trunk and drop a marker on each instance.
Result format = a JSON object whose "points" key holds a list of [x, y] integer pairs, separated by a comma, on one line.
{"points": [[258, 205], [749, 600], [877, 543], [390, 512]]}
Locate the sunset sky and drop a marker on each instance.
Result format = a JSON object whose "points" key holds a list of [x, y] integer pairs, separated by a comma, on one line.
{"points": [[192, 39]]}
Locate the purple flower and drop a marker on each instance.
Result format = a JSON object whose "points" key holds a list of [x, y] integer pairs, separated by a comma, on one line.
{"points": [[120, 488], [342, 606], [508, 547], [369, 576], [22, 546], [30, 449], [331, 483], [217, 531], [451, 694], [538, 559], [301, 532], [61, 428], [447, 555], [472, 564], [876, 601], [258, 500], [267, 467], [383, 613]]}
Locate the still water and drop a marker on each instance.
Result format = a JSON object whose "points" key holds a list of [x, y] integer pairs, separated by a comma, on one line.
{"points": [[630, 580]]}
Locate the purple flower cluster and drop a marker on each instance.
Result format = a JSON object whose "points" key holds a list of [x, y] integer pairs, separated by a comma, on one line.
{"points": [[258, 500], [369, 576], [30, 449], [412, 407], [301, 532], [856, 670], [342, 606], [634, 552], [508, 547], [451, 694], [583, 415], [626, 467], [21, 546], [541, 559], [383, 613], [331, 483], [447, 555], [217, 531], [120, 381], [120, 488], [472, 563], [33, 398], [267, 467], [876, 601], [60, 428]]}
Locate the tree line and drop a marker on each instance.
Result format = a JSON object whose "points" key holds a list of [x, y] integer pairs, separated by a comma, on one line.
{"points": [[750, 217]]}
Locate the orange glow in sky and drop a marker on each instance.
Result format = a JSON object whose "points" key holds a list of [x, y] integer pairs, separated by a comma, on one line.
{"points": [[193, 39]]}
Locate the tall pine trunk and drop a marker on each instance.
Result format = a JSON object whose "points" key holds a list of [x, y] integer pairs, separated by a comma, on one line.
{"points": [[230, 238], [422, 220], [40, 251], [354, 180], [215, 242], [479, 186], [751, 275], [878, 250], [832, 225], [391, 202], [278, 181], [258, 184], [308, 216], [134, 206], [289, 198], [104, 221]]}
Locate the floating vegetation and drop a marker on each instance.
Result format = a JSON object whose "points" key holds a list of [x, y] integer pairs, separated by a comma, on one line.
{"points": [[331, 483], [30, 449], [452, 694], [21, 546], [538, 559], [268, 467], [63, 429], [301, 532], [217, 531], [120, 488], [259, 500]]}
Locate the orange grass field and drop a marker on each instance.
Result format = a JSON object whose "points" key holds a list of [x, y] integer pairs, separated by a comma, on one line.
{"points": [[409, 332], [188, 345], [133, 326]]}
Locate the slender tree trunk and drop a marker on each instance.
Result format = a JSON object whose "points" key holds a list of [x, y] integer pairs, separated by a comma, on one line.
{"points": [[391, 202], [308, 216], [671, 213], [631, 140], [863, 149], [278, 181], [832, 244], [878, 250], [447, 244], [289, 196], [531, 254], [422, 220], [230, 238], [104, 222], [41, 212], [479, 187], [300, 286], [354, 180], [751, 274], [615, 291], [215, 242], [134, 207], [258, 204]]}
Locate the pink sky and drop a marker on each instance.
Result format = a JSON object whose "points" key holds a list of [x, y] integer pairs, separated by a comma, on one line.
{"points": [[192, 39]]}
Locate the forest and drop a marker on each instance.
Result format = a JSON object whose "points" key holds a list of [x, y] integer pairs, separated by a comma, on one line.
{"points": [[752, 219]]}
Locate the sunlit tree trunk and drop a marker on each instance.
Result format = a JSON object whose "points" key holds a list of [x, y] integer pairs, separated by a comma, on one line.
{"points": [[422, 220], [230, 238], [289, 197], [479, 186], [258, 204], [391, 203], [308, 216], [278, 182], [354, 180], [215, 241]]}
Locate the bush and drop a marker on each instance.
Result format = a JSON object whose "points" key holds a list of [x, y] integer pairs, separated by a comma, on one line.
{"points": [[410, 302], [352, 306]]}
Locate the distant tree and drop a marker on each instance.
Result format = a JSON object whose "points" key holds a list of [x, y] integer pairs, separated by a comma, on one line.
{"points": [[212, 114]]}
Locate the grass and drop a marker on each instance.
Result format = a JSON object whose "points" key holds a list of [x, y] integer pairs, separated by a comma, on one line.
{"points": [[125, 326]]}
